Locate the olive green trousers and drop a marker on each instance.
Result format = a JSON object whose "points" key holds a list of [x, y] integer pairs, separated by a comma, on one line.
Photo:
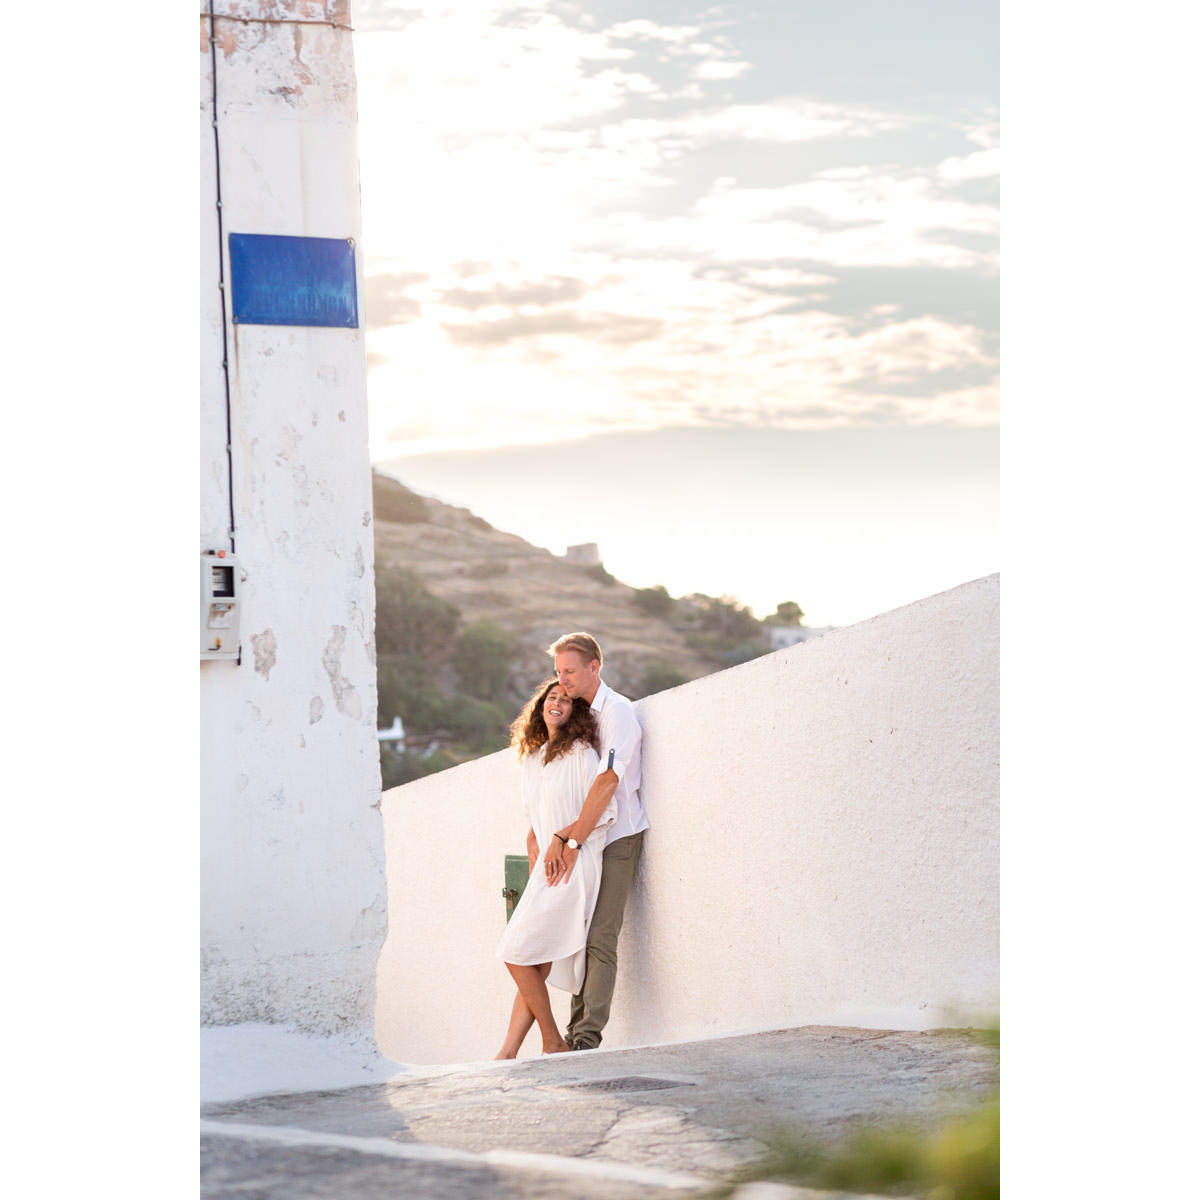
{"points": [[589, 1010]]}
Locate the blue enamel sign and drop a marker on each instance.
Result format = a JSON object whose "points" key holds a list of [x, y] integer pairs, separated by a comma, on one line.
{"points": [[293, 280]]}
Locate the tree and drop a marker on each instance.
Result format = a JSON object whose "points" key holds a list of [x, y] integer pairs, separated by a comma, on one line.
{"points": [[726, 618], [414, 634], [483, 657], [787, 613], [410, 619], [654, 602], [660, 676]]}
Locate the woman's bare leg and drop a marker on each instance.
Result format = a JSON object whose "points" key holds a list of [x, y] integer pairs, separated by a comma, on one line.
{"points": [[531, 983], [519, 1024]]}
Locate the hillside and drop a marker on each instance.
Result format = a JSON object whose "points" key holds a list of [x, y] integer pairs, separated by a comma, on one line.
{"points": [[534, 594], [464, 613]]}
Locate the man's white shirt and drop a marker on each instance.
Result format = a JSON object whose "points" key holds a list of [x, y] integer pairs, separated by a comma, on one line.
{"points": [[621, 734]]}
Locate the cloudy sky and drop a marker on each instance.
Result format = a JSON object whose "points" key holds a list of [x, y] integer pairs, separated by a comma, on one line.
{"points": [[759, 237]]}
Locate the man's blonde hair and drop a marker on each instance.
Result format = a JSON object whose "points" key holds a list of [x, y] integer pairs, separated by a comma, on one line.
{"points": [[581, 643]]}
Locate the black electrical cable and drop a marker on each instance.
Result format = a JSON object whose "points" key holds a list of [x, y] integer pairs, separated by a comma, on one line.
{"points": [[212, 45]]}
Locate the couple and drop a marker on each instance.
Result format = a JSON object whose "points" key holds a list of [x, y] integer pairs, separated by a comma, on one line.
{"points": [[580, 747]]}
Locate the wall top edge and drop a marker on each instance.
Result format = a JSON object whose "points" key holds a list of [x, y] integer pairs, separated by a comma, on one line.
{"points": [[282, 12], [984, 584]]}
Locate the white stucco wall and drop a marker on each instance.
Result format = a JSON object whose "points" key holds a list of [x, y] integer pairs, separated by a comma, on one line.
{"points": [[293, 889], [824, 849]]}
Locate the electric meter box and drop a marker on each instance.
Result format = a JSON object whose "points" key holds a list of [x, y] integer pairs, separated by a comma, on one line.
{"points": [[220, 605]]}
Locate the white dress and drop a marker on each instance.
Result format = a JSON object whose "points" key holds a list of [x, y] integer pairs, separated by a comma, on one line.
{"points": [[550, 924]]}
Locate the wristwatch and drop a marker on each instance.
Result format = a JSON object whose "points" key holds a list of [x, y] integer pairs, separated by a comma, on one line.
{"points": [[572, 844]]}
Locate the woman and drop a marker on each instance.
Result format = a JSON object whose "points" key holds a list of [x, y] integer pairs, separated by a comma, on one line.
{"points": [[546, 937]]}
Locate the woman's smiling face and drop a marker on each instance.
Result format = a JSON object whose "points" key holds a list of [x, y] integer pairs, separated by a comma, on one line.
{"points": [[556, 708]]}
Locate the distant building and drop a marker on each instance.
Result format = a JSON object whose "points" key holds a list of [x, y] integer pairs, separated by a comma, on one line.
{"points": [[394, 734], [586, 555], [783, 636]]}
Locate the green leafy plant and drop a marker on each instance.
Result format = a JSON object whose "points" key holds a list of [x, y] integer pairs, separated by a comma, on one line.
{"points": [[484, 652], [788, 612], [654, 602], [960, 1160], [956, 1159], [660, 677]]}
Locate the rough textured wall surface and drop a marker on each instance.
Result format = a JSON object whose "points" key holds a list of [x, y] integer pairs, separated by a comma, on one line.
{"points": [[293, 901], [824, 850]]}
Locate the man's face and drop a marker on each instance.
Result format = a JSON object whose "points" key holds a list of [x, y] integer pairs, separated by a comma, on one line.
{"points": [[577, 677]]}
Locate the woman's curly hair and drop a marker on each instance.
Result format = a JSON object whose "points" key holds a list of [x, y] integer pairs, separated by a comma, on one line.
{"points": [[529, 729]]}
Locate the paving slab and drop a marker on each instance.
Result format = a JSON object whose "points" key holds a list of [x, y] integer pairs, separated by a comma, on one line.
{"points": [[599, 1125]]}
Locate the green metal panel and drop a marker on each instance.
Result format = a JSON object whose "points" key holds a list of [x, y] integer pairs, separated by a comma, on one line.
{"points": [[516, 876]]}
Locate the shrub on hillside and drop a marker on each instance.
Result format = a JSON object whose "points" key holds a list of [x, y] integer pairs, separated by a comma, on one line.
{"points": [[479, 726], [483, 656], [601, 575], [410, 619], [660, 677], [654, 602], [408, 689]]}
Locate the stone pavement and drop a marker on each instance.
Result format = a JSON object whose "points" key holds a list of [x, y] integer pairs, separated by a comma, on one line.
{"points": [[647, 1122]]}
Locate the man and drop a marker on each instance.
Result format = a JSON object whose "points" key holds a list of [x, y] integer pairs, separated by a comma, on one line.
{"points": [[577, 662]]}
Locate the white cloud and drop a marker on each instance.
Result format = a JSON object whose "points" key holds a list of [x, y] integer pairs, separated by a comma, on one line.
{"points": [[701, 364], [844, 218], [786, 120], [720, 68], [983, 164], [643, 30], [538, 150], [987, 136]]}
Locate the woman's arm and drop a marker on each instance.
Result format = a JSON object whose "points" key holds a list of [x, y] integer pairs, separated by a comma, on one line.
{"points": [[531, 847], [594, 800]]}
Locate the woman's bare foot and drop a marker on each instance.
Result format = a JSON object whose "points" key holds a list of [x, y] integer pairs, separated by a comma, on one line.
{"points": [[503, 1054], [555, 1048]]}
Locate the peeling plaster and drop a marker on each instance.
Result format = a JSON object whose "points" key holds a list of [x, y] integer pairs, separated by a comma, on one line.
{"points": [[366, 519], [304, 75], [264, 652], [360, 567], [288, 454], [348, 702], [316, 710], [300, 479]]}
